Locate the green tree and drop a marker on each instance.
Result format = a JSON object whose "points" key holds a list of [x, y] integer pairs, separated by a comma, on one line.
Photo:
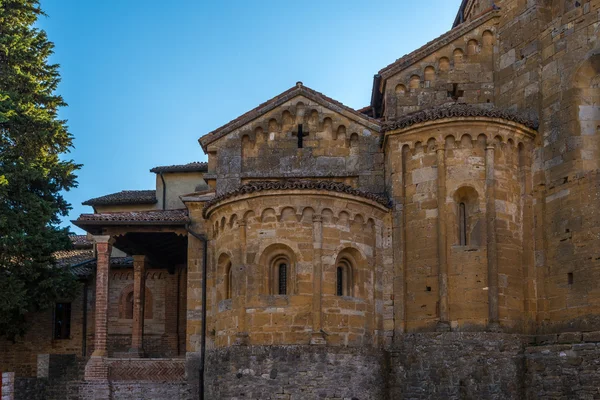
{"points": [[33, 173]]}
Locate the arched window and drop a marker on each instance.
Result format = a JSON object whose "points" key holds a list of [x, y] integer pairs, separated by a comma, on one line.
{"points": [[468, 217], [279, 263], [229, 282], [344, 272], [129, 306], [126, 303], [462, 223], [282, 279], [224, 277]]}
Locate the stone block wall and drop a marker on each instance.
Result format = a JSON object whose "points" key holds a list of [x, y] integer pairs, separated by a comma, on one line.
{"points": [[312, 233], [334, 146], [295, 372], [457, 366], [564, 366], [436, 169]]}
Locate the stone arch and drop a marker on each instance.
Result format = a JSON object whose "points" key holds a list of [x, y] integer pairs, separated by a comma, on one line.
{"points": [[126, 303], [354, 141], [488, 39], [466, 142], [307, 215], [340, 133], [328, 127], [328, 217], [287, 121], [354, 264], [431, 144], [469, 219], [400, 90], [224, 278], [444, 64], [288, 214], [415, 82], [429, 74], [268, 215], [232, 220], [458, 56], [274, 259], [273, 125], [472, 47]]}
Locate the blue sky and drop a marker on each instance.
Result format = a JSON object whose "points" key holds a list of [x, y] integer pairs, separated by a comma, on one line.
{"points": [[145, 79]]}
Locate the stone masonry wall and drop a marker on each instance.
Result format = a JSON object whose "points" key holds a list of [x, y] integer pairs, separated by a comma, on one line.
{"points": [[564, 366], [294, 373], [457, 366]]}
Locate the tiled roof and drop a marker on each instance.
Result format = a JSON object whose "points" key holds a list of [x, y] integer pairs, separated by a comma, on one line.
{"points": [[278, 100], [87, 269], [435, 44], [124, 197], [153, 216], [189, 167], [258, 186], [80, 241], [71, 257], [458, 111]]}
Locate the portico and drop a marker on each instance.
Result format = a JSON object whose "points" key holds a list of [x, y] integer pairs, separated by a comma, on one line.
{"points": [[157, 242]]}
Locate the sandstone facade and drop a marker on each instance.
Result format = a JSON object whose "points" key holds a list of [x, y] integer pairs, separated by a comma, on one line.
{"points": [[440, 243]]}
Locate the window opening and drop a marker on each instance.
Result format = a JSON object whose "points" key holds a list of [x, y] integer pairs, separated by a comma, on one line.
{"points": [[462, 210], [62, 321], [340, 281], [282, 278]]}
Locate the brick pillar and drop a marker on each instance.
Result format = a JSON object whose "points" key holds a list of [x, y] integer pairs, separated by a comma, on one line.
{"points": [[317, 333], [444, 322], [170, 338], [139, 302], [96, 369], [492, 253]]}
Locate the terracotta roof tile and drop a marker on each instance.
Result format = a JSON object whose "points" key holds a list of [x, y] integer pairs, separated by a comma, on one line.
{"points": [[457, 111], [278, 100], [189, 167], [124, 197], [71, 257], [259, 186], [80, 241], [174, 216]]}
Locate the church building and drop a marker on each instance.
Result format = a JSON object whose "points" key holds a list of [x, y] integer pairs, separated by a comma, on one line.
{"points": [[442, 242]]}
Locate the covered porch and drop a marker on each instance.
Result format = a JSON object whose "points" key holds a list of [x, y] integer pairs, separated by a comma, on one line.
{"points": [[139, 319]]}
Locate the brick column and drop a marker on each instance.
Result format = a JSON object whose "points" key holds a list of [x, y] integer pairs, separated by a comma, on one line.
{"points": [[171, 336], [444, 322], [317, 334], [96, 369], [139, 302], [492, 253]]}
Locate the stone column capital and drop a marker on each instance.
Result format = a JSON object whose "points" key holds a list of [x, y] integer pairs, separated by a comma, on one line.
{"points": [[139, 258], [104, 239], [317, 218]]}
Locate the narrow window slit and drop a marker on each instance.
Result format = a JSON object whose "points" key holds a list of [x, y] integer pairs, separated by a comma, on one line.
{"points": [[282, 278], [340, 281], [462, 222]]}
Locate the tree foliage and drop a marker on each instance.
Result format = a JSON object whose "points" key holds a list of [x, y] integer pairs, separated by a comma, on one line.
{"points": [[33, 173]]}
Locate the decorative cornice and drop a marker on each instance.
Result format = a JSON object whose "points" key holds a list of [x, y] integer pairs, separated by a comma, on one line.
{"points": [[458, 111], [255, 187], [298, 90], [435, 44]]}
